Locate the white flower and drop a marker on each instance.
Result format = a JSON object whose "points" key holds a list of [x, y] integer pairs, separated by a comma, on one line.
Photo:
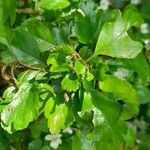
{"points": [[55, 140], [122, 73], [104, 4], [68, 130], [135, 2], [147, 44], [145, 28]]}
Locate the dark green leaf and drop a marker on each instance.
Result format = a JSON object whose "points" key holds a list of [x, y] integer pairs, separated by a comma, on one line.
{"points": [[25, 48], [83, 29], [121, 89], [41, 34], [110, 110]]}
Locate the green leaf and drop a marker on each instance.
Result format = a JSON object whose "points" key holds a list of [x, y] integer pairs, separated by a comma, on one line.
{"points": [[114, 40], [35, 145], [121, 89], [87, 102], [58, 63], [54, 5], [7, 57], [25, 48], [56, 115], [38, 127], [7, 18], [130, 138], [83, 29], [85, 52], [40, 32], [29, 75], [110, 110], [58, 60], [106, 135], [140, 65], [4, 142], [70, 83], [23, 108], [143, 93], [81, 142], [110, 137], [100, 71], [79, 67]]}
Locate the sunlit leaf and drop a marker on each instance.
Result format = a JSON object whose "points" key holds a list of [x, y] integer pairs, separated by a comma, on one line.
{"points": [[55, 5], [70, 83], [114, 40]]}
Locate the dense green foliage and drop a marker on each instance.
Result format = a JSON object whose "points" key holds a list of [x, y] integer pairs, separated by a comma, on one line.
{"points": [[74, 75]]}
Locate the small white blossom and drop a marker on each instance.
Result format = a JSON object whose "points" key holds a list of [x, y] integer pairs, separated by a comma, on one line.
{"points": [[122, 73], [147, 44], [135, 2], [145, 28], [104, 4], [55, 140], [68, 130]]}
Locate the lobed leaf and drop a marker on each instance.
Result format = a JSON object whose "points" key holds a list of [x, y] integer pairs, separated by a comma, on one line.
{"points": [[114, 40], [70, 83], [121, 89]]}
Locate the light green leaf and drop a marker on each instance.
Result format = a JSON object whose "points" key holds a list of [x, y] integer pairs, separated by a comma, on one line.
{"points": [[70, 83], [121, 89], [56, 115], [54, 4], [29, 75], [24, 103], [79, 67], [130, 138], [58, 60], [23, 107], [49, 107], [87, 102], [132, 17], [114, 40], [89, 76]]}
